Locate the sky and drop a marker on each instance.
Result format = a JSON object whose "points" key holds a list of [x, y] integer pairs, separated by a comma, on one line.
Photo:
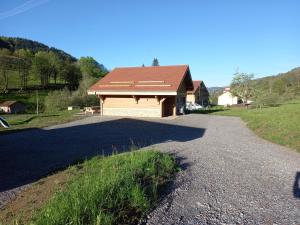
{"points": [[214, 37]]}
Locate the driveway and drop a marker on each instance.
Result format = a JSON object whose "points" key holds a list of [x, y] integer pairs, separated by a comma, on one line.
{"points": [[230, 176]]}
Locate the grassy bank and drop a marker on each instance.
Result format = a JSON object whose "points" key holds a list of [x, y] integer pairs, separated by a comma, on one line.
{"points": [[277, 124], [118, 189], [25, 121]]}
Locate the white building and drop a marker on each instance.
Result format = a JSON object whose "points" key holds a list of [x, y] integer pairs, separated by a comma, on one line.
{"points": [[227, 98]]}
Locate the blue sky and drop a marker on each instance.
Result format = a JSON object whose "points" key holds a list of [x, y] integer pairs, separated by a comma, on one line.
{"points": [[215, 37]]}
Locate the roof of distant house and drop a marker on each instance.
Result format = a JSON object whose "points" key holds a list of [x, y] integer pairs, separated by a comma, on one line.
{"points": [[140, 79], [8, 103], [196, 84]]}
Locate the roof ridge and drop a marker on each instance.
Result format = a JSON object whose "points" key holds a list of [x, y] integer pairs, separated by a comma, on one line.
{"points": [[131, 67]]}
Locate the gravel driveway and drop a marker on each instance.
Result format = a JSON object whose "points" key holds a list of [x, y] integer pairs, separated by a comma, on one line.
{"points": [[230, 176], [233, 177]]}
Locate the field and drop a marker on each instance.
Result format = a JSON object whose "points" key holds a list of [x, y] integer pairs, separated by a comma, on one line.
{"points": [[118, 189], [277, 124]]}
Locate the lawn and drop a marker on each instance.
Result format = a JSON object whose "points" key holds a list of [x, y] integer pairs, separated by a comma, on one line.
{"points": [[25, 121], [277, 124], [118, 189]]}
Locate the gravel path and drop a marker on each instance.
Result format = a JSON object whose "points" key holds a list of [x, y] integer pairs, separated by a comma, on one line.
{"points": [[234, 177], [230, 175]]}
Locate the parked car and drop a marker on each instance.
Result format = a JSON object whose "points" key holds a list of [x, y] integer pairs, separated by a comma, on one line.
{"points": [[193, 106]]}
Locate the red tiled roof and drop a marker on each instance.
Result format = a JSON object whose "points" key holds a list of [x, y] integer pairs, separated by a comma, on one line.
{"points": [[196, 84], [8, 103], [154, 78]]}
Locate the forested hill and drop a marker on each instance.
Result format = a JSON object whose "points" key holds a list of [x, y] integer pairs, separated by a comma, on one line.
{"points": [[27, 64], [286, 85], [276, 88], [13, 44]]}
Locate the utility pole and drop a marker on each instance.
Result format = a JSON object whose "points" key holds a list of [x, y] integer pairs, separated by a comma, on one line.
{"points": [[37, 102]]}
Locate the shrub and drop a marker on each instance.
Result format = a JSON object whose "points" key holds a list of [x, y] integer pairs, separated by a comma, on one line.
{"points": [[267, 100], [57, 100]]}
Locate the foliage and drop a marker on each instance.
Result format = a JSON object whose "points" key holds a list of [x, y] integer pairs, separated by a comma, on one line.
{"points": [[241, 86], [278, 124], [155, 62], [72, 75], [26, 64], [111, 190], [89, 66], [58, 100], [14, 44], [214, 93], [285, 85], [263, 99], [80, 96]]}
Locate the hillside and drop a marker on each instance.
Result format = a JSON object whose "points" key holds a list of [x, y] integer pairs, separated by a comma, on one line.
{"points": [[284, 84], [14, 44], [277, 88], [27, 64]]}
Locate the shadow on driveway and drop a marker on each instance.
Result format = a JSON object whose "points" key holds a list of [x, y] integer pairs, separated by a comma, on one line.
{"points": [[296, 187], [27, 156]]}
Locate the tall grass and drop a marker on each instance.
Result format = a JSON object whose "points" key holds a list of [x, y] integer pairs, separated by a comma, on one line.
{"points": [[111, 190]]}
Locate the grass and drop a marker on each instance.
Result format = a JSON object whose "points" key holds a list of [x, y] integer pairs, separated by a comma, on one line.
{"points": [[277, 124], [25, 121], [119, 189]]}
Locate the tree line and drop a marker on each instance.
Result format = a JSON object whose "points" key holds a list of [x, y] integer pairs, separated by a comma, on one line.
{"points": [[28, 64], [44, 68], [267, 91]]}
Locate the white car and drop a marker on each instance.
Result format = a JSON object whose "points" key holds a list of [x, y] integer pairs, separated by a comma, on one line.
{"points": [[193, 106]]}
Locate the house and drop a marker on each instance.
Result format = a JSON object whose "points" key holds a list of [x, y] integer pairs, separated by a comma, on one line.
{"points": [[12, 107], [227, 98], [155, 91], [199, 94]]}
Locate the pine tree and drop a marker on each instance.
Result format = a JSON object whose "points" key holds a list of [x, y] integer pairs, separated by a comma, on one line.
{"points": [[155, 62]]}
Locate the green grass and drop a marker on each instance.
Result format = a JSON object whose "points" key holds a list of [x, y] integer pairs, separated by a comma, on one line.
{"points": [[277, 124], [25, 121], [14, 81], [118, 189]]}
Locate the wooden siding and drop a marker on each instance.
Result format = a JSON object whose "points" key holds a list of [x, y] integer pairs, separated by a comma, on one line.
{"points": [[130, 106]]}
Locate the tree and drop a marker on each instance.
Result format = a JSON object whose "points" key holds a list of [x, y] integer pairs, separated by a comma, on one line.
{"points": [[55, 64], [143, 65], [4, 67], [242, 86], [23, 66], [155, 62], [88, 65], [72, 75], [41, 67]]}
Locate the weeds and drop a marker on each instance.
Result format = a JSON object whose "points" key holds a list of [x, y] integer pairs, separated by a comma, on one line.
{"points": [[110, 190]]}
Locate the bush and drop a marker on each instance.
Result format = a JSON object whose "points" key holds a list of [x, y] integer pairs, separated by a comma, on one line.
{"points": [[267, 100], [84, 100], [57, 100]]}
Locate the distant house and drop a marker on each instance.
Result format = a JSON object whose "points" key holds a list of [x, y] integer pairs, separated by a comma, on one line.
{"points": [[199, 94], [227, 98], [12, 107], [155, 91]]}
